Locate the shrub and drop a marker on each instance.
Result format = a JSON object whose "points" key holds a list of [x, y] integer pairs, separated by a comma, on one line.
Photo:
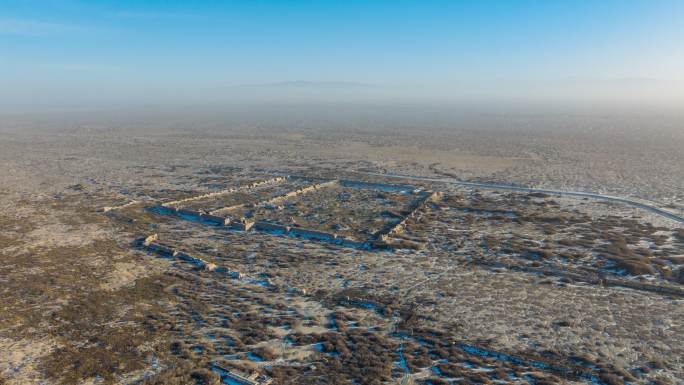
{"points": [[677, 260], [679, 235], [610, 379], [635, 267], [656, 381], [436, 381], [680, 275], [266, 353], [205, 377], [417, 363]]}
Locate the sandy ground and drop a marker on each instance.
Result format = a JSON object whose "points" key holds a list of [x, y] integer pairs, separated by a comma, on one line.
{"points": [[18, 360], [59, 254]]}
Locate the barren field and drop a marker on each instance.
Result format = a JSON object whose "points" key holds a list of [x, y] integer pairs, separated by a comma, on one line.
{"points": [[137, 253]]}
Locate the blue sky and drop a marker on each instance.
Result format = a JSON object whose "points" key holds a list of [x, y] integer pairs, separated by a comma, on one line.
{"points": [[83, 51]]}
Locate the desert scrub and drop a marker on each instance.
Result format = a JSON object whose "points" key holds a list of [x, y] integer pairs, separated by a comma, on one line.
{"points": [[92, 345], [679, 235]]}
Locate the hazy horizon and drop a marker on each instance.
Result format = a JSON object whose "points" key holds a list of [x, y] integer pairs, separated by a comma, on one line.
{"points": [[71, 55]]}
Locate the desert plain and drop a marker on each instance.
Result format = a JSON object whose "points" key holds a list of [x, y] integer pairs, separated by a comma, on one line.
{"points": [[338, 245]]}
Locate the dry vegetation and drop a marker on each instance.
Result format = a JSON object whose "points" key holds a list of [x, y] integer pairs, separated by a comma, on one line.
{"points": [[481, 287]]}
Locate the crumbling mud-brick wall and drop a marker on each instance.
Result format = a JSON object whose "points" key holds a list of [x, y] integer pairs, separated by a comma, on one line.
{"points": [[178, 203]]}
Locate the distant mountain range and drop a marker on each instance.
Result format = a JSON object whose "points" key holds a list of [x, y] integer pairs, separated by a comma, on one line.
{"points": [[309, 84]]}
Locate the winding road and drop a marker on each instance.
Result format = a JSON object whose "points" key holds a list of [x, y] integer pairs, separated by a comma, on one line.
{"points": [[493, 186]]}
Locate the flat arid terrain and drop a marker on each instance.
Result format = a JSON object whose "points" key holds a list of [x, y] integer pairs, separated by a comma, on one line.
{"points": [[341, 246]]}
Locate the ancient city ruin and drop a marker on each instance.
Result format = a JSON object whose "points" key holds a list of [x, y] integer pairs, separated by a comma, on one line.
{"points": [[268, 213], [374, 217]]}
